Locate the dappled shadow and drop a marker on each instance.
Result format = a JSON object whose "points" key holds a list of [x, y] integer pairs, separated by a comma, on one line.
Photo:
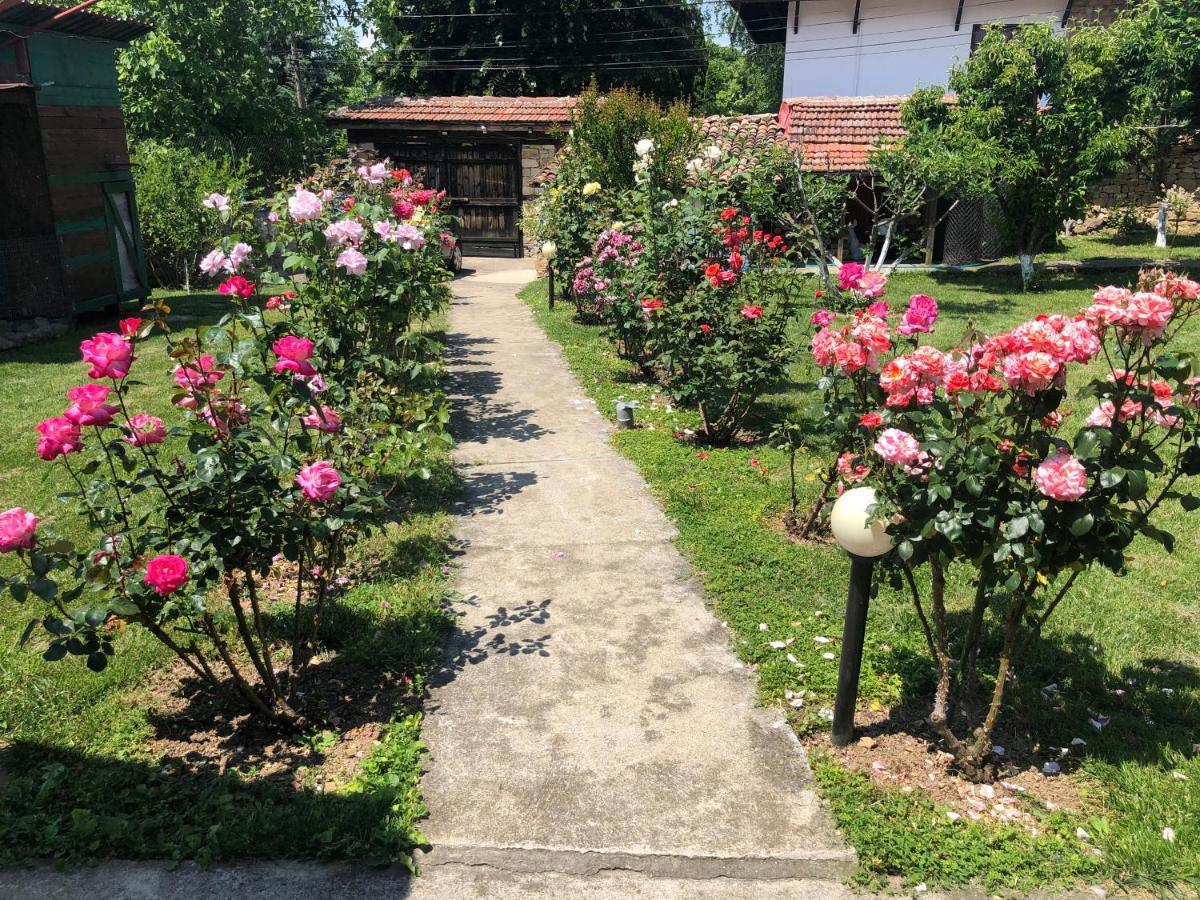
{"points": [[73, 806], [187, 312], [1064, 691], [476, 417], [485, 492], [471, 646]]}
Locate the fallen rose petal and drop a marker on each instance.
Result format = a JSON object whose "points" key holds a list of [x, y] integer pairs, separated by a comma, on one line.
{"points": [[1168, 834], [1082, 834]]}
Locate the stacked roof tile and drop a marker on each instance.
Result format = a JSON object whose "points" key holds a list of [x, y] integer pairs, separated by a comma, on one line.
{"points": [[460, 111]]}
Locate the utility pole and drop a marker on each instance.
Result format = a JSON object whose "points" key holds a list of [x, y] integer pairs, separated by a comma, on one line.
{"points": [[297, 80]]}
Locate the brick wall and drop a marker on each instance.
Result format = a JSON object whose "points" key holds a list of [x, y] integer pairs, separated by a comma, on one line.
{"points": [[1138, 189]]}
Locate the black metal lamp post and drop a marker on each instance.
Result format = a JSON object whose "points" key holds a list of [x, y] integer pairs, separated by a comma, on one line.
{"points": [[549, 251], [865, 544]]}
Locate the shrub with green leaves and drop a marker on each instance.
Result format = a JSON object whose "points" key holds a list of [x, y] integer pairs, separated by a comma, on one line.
{"points": [[172, 183]]}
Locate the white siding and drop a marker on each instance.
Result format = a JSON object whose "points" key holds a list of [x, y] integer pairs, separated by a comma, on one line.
{"points": [[900, 45]]}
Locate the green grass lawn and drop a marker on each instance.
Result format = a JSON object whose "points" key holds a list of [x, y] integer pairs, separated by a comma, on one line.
{"points": [[1120, 647], [77, 776], [1107, 245]]}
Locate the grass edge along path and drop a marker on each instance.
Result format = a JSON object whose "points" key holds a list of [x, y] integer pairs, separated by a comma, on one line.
{"points": [[78, 780], [769, 592]]}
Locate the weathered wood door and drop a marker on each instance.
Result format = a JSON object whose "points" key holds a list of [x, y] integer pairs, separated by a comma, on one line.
{"points": [[483, 184]]}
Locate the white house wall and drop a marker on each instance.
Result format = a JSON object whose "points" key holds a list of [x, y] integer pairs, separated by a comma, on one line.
{"points": [[900, 45]]}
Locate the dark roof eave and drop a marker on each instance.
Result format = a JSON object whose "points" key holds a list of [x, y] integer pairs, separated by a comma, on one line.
{"points": [[25, 15], [765, 20], [333, 120]]}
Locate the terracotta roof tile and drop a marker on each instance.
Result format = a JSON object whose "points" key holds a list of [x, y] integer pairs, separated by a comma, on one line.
{"points": [[837, 133], [460, 110]]}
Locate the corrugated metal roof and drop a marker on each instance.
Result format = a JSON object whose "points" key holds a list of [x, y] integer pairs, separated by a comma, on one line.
{"points": [[458, 111], [26, 14]]}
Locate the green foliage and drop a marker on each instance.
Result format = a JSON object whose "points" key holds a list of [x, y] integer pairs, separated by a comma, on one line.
{"points": [[1037, 114], [535, 47], [220, 77], [607, 128], [172, 183], [741, 80], [896, 833]]}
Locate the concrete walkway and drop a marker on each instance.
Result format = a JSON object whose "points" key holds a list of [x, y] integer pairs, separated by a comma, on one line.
{"points": [[592, 716]]}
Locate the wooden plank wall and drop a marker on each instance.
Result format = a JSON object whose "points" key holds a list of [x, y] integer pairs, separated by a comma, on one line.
{"points": [[30, 280], [84, 147]]}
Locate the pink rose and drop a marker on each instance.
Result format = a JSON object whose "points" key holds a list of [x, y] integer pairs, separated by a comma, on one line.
{"points": [[752, 312], [823, 318], [17, 529], [199, 375], [352, 261], [216, 201], [236, 285], [849, 275], [897, 447], [921, 315], [323, 419], [1061, 477], [872, 284], [319, 482], [1148, 315], [1085, 344], [879, 308], [166, 574], [108, 354], [238, 256], [214, 263], [59, 436], [1031, 371], [294, 353], [146, 430], [304, 206], [872, 332], [347, 232], [403, 209], [824, 347], [88, 406]]}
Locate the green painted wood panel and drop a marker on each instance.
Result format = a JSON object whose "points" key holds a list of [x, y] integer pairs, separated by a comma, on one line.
{"points": [[72, 71]]}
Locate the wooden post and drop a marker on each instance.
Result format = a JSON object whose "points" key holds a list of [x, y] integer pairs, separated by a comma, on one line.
{"points": [[930, 229]]}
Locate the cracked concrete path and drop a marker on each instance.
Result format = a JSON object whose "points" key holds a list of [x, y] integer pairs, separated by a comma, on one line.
{"points": [[592, 716]]}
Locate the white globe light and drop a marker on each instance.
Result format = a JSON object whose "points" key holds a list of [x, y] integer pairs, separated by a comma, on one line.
{"points": [[848, 521], [549, 249]]}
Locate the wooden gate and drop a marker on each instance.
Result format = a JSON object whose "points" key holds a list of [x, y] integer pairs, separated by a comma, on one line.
{"points": [[482, 180]]}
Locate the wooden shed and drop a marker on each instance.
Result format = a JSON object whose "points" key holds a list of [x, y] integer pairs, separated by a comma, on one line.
{"points": [[485, 152], [69, 238]]}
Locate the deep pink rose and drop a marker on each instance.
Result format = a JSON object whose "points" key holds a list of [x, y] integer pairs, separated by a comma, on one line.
{"points": [[59, 436], [166, 574], [872, 284], [108, 354], [1061, 477], [823, 318], [146, 430], [319, 482], [17, 529], [921, 315], [752, 312], [294, 353], [849, 276], [323, 419], [237, 286], [88, 406], [203, 373]]}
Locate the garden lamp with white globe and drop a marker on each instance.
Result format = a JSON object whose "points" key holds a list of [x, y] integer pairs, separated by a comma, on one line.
{"points": [[865, 541]]}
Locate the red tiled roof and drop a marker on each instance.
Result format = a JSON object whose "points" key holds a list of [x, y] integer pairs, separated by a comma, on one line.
{"points": [[459, 111], [837, 133], [747, 136]]}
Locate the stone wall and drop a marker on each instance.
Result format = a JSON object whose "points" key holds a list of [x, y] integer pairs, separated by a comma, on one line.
{"points": [[534, 158], [18, 332], [1140, 190]]}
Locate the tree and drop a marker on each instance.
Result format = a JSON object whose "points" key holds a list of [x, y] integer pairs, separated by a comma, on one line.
{"points": [[554, 47], [1040, 112], [238, 78], [743, 77], [1158, 53]]}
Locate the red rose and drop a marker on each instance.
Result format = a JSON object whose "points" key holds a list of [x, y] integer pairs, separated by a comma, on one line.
{"points": [[129, 327], [237, 285], [752, 312], [712, 271], [728, 214], [870, 420], [705, 329]]}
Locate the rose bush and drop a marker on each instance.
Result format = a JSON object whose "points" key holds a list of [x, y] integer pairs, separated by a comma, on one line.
{"points": [[972, 469], [289, 412]]}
